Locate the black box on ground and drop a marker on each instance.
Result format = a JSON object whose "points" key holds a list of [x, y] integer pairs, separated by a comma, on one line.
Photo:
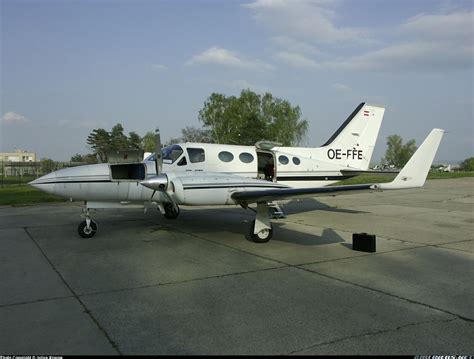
{"points": [[363, 242]]}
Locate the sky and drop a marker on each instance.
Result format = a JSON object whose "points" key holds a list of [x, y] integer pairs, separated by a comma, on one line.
{"points": [[70, 66]]}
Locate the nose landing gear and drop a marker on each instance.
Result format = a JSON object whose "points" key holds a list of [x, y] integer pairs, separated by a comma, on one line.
{"points": [[87, 228]]}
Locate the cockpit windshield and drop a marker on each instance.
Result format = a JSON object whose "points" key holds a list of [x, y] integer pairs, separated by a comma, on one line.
{"points": [[170, 154]]}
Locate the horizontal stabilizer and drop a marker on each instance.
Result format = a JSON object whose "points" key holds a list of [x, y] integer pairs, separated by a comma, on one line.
{"points": [[416, 170]]}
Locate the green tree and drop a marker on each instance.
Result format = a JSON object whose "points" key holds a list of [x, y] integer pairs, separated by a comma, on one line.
{"points": [[100, 142], [47, 165], [134, 141], [193, 134], [468, 164], [251, 117], [118, 141], [77, 158], [397, 153], [89, 158], [148, 142]]}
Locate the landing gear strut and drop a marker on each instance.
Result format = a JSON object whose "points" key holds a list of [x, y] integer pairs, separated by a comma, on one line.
{"points": [[87, 228], [261, 230]]}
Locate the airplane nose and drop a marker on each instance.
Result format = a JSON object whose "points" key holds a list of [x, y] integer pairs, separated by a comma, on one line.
{"points": [[45, 183]]}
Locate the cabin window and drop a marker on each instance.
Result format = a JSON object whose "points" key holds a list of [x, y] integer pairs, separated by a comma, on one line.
{"points": [[246, 157], [171, 153], [283, 160], [225, 156], [196, 155], [182, 162], [296, 161]]}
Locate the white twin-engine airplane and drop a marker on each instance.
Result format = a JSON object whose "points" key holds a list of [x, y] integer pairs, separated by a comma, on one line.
{"points": [[197, 174]]}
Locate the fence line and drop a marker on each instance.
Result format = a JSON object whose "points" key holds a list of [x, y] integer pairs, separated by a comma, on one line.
{"points": [[21, 172]]}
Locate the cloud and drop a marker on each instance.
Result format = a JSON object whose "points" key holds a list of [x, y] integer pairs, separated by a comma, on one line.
{"points": [[426, 42], [159, 68], [455, 26], [296, 60], [227, 58], [429, 43], [13, 117], [294, 45], [341, 87], [311, 20], [416, 56]]}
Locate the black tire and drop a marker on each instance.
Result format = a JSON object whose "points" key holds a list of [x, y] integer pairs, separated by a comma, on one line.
{"points": [[261, 237], [85, 232], [170, 213]]}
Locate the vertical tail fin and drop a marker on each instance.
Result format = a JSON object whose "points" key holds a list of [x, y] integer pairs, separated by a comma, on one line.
{"points": [[352, 145], [416, 170]]}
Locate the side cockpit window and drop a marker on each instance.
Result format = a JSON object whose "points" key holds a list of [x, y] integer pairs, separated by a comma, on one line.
{"points": [[171, 153], [196, 155]]}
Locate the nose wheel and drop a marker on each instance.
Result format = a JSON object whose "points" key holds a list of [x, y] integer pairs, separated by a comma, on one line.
{"points": [[87, 230]]}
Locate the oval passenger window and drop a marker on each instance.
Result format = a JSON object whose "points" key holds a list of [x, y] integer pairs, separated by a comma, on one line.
{"points": [[283, 160], [296, 161], [246, 157], [225, 156]]}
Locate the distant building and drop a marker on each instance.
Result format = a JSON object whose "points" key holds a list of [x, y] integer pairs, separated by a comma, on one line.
{"points": [[18, 156], [18, 163]]}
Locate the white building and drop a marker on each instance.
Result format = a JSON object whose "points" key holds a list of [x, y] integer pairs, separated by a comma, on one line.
{"points": [[18, 156], [18, 163]]}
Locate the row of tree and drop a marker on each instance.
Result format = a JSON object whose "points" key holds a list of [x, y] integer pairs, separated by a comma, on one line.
{"points": [[241, 120]]}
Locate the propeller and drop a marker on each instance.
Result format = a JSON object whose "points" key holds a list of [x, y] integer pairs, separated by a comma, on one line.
{"points": [[160, 181], [158, 154]]}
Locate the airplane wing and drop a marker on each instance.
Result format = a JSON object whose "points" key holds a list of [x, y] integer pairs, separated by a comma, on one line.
{"points": [[413, 175], [290, 193]]}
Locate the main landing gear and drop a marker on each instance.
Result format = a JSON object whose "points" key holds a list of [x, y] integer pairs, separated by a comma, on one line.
{"points": [[261, 230], [87, 228], [169, 210]]}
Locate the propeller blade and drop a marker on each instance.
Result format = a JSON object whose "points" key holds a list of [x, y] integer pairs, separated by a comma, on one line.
{"points": [[158, 154]]}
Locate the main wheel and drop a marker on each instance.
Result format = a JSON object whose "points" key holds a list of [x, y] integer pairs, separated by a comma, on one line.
{"points": [[85, 232], [261, 237], [170, 211]]}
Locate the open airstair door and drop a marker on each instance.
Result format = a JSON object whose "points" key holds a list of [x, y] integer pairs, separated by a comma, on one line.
{"points": [[266, 165]]}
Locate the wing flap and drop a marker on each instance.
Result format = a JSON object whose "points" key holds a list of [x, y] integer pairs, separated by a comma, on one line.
{"points": [[368, 172]]}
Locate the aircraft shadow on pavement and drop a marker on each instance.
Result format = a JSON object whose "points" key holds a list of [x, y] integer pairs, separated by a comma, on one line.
{"points": [[238, 222], [235, 221], [328, 236], [310, 204]]}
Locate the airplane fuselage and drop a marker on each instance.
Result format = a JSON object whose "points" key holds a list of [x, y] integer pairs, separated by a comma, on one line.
{"points": [[212, 173], [201, 173]]}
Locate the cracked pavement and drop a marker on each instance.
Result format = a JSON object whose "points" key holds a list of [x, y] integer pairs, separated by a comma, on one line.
{"points": [[196, 285]]}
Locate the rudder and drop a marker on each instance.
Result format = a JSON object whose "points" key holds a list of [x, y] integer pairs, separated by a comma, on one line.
{"points": [[352, 145]]}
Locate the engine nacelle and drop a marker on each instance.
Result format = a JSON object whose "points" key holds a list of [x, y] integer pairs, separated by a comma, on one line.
{"points": [[202, 189]]}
